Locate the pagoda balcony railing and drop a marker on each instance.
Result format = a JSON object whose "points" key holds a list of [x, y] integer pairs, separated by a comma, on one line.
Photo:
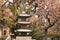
{"points": [[27, 20]]}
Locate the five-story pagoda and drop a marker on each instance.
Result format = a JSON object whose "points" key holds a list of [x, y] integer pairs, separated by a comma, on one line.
{"points": [[22, 31]]}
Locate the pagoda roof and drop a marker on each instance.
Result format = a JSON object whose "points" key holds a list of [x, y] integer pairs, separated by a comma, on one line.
{"points": [[23, 30], [24, 15], [22, 22]]}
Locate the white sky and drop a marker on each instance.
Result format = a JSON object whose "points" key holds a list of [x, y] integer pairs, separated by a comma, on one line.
{"points": [[9, 1]]}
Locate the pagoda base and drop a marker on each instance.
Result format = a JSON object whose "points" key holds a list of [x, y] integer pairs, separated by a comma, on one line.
{"points": [[23, 38]]}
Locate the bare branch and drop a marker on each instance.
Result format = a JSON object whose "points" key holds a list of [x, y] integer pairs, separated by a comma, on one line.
{"points": [[4, 3], [48, 18], [52, 24]]}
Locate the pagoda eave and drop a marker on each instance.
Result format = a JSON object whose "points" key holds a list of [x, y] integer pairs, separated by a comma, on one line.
{"points": [[24, 15], [23, 30], [24, 22]]}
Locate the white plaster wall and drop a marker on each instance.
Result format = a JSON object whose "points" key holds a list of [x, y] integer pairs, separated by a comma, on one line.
{"points": [[23, 38]]}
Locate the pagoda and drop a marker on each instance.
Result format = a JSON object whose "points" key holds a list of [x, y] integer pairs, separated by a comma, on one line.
{"points": [[23, 31]]}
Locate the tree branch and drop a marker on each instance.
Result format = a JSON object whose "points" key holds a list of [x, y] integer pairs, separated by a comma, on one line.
{"points": [[48, 18], [4, 3], [52, 24]]}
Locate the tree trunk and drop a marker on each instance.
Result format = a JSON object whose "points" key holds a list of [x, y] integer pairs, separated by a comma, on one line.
{"points": [[45, 36]]}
